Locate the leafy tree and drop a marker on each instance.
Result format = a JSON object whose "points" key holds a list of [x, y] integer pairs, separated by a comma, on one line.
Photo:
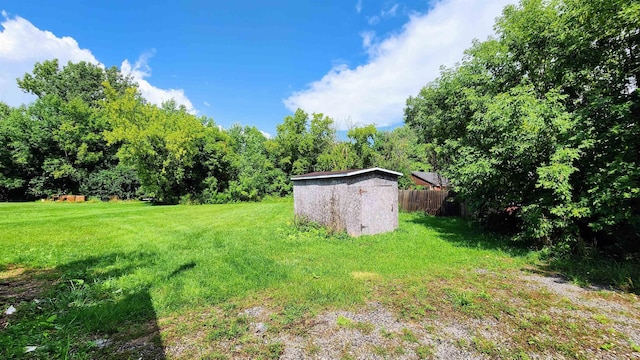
{"points": [[300, 141], [400, 150], [16, 164], [544, 118], [256, 175], [121, 181], [362, 143], [173, 152], [81, 80], [53, 145]]}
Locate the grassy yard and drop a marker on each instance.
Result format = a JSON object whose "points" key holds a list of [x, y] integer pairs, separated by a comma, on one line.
{"points": [[131, 280]]}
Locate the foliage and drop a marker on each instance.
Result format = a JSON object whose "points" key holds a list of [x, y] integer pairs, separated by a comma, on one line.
{"points": [[542, 119], [256, 174], [173, 153], [120, 181], [300, 141], [91, 132], [53, 145], [80, 80]]}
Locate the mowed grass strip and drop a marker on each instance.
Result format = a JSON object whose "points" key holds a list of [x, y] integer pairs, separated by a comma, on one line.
{"points": [[208, 254], [115, 266]]}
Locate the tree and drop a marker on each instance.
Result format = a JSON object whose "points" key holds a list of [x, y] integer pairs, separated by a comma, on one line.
{"points": [[55, 144], [400, 150], [544, 118], [299, 142], [256, 175], [75, 80], [173, 152]]}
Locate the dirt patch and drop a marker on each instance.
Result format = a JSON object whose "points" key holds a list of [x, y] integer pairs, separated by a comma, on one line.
{"points": [[19, 284]]}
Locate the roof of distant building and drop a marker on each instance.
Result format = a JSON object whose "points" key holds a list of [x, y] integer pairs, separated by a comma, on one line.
{"points": [[431, 177]]}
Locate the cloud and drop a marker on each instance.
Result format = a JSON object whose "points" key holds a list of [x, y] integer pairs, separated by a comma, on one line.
{"points": [[367, 38], [22, 45], [206, 103], [359, 6], [373, 20], [399, 65], [141, 70], [391, 12]]}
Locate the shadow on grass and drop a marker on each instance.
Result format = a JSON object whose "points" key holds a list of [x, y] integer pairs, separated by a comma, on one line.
{"points": [[464, 232], [590, 270], [598, 270], [72, 311]]}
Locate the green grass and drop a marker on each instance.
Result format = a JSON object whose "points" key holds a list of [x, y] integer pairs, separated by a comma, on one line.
{"points": [[114, 270]]}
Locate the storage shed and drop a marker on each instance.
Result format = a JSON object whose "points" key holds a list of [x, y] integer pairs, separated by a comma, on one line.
{"points": [[362, 202]]}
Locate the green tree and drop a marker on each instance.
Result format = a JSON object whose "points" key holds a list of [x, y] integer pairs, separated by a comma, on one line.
{"points": [[81, 80], [299, 142], [400, 150], [55, 144], [16, 163], [173, 152], [255, 174], [544, 117]]}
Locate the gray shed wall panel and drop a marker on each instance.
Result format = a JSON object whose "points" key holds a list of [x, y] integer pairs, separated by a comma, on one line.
{"points": [[361, 204]]}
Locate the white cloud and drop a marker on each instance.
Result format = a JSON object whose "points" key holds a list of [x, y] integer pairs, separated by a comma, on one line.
{"points": [[359, 6], [206, 103], [391, 12], [373, 20], [22, 45], [400, 65], [266, 134], [367, 38], [141, 70]]}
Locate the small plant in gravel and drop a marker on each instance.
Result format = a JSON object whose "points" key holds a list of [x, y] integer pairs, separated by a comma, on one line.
{"points": [[424, 351], [343, 321], [380, 350], [364, 327], [398, 350], [409, 336], [312, 349], [607, 346], [386, 334], [275, 350], [225, 329], [485, 346], [602, 319]]}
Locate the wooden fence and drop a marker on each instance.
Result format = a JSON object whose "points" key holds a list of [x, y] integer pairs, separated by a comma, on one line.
{"points": [[433, 202]]}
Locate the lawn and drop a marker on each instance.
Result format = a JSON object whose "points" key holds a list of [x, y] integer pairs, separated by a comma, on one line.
{"points": [[131, 280]]}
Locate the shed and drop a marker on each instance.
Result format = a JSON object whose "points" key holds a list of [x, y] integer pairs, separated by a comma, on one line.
{"points": [[431, 180], [361, 202]]}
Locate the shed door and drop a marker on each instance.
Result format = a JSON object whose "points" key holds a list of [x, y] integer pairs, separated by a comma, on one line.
{"points": [[379, 208]]}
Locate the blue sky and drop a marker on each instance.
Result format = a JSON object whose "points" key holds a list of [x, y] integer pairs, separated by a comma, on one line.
{"points": [[253, 62]]}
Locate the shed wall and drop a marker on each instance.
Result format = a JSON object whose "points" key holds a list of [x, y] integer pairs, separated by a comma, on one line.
{"points": [[361, 204]]}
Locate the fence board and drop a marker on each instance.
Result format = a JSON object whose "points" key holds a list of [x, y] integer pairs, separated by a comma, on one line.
{"points": [[433, 202]]}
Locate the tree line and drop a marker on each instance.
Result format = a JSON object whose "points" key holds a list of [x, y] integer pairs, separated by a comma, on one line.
{"points": [[91, 132]]}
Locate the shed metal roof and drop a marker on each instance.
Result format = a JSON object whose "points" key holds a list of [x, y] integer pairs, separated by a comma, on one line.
{"points": [[341, 174]]}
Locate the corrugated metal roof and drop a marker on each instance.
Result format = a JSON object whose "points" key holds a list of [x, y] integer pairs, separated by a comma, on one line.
{"points": [[431, 177], [343, 173]]}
